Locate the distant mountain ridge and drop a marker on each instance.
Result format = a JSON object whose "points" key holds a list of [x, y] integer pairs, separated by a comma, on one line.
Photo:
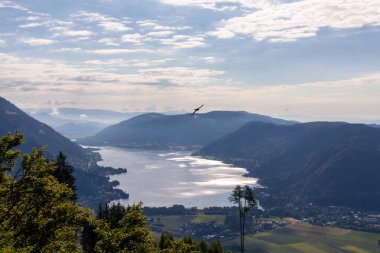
{"points": [[37, 134], [331, 163], [155, 130]]}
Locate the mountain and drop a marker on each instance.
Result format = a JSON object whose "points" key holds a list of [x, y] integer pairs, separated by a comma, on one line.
{"points": [[74, 130], [329, 163], [37, 134], [58, 116], [92, 182], [154, 130]]}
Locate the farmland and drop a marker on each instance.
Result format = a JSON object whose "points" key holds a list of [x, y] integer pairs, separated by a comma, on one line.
{"points": [[296, 237]]}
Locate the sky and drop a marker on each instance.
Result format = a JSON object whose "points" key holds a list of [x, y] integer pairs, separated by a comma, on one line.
{"points": [[303, 60]]}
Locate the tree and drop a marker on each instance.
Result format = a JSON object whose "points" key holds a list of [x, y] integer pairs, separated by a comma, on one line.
{"points": [[131, 235], [243, 197], [64, 173], [37, 213]]}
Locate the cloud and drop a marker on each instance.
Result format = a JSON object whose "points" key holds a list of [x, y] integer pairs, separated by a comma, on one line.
{"points": [[10, 4], [37, 41], [2, 42], [53, 76], [160, 33], [109, 41], [43, 21], [182, 75], [114, 26], [220, 5], [73, 33], [153, 25], [184, 41], [103, 21], [119, 51], [286, 22], [207, 59], [132, 38], [69, 49], [54, 112]]}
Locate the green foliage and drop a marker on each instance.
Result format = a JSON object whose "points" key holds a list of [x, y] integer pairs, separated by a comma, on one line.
{"points": [[131, 234], [64, 173], [37, 212]]}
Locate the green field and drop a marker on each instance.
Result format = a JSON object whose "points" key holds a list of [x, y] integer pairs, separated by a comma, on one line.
{"points": [[287, 240], [290, 239]]}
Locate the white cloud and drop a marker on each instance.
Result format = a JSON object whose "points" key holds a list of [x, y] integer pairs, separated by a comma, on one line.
{"points": [[37, 41], [285, 22], [2, 42], [114, 26], [54, 112], [109, 42], [184, 41], [153, 25], [207, 59], [103, 21], [45, 22], [76, 33], [132, 38], [160, 33], [12, 5], [220, 5], [118, 51], [50, 76], [69, 49]]}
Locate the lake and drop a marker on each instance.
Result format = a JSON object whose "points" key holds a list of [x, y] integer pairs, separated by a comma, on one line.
{"points": [[160, 178]]}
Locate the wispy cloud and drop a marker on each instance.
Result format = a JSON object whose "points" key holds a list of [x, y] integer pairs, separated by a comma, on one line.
{"points": [[109, 41], [50, 74], [119, 51], [221, 5], [69, 49], [103, 21], [154, 25], [37, 41], [65, 31], [12, 5], [286, 22], [184, 41], [114, 26], [132, 38]]}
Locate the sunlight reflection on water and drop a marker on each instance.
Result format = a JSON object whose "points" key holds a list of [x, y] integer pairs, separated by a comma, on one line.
{"points": [[165, 178]]}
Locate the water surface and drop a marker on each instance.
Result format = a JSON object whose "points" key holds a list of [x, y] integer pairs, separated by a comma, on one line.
{"points": [[160, 178]]}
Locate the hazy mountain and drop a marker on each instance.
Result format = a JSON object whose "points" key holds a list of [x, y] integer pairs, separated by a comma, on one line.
{"points": [[37, 134], [58, 116], [154, 130], [326, 163], [79, 130]]}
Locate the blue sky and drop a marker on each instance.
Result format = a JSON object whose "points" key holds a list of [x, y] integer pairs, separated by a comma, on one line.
{"points": [[303, 60]]}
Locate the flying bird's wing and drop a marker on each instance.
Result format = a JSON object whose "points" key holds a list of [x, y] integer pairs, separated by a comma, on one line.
{"points": [[196, 109]]}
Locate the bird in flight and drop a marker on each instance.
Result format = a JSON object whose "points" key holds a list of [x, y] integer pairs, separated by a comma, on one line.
{"points": [[196, 110]]}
